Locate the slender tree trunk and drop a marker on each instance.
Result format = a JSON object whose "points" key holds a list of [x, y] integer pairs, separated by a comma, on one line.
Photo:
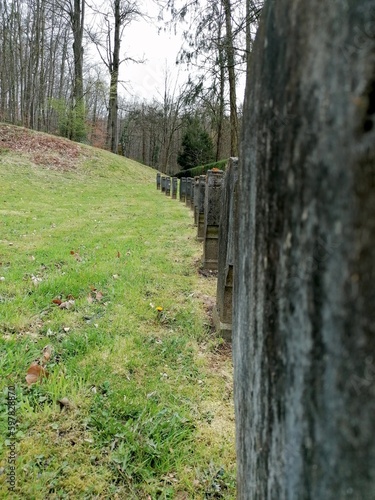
{"points": [[221, 99], [232, 79], [77, 22], [112, 128]]}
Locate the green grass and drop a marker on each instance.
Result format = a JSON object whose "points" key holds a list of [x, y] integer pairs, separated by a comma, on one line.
{"points": [[150, 408]]}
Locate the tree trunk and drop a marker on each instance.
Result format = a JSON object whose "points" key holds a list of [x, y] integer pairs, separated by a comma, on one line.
{"points": [[112, 128], [78, 111], [232, 79]]}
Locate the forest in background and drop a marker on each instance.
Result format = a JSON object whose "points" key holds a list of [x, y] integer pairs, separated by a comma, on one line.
{"points": [[61, 61]]}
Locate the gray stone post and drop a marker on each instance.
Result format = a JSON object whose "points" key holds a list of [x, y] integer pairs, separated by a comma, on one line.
{"points": [[168, 186], [196, 199], [174, 188], [212, 208], [158, 181], [200, 207], [222, 313], [188, 191], [163, 182], [192, 190], [183, 189]]}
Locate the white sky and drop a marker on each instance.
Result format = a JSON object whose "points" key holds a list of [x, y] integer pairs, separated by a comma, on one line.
{"points": [[142, 40], [159, 49]]}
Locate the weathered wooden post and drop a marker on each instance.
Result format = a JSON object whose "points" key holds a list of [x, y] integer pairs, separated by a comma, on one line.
{"points": [[188, 191], [174, 188], [212, 207], [201, 196], [158, 181], [168, 186], [304, 294], [222, 313], [183, 189], [163, 183]]}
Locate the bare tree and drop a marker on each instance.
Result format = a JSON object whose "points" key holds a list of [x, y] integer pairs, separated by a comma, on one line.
{"points": [[113, 21]]}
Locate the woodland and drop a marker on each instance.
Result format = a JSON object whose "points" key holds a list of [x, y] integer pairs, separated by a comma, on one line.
{"points": [[60, 74]]}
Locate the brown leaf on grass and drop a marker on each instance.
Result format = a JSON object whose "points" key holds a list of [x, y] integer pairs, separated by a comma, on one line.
{"points": [[35, 373], [94, 295], [47, 353], [75, 255], [57, 301], [68, 304], [65, 404], [118, 255]]}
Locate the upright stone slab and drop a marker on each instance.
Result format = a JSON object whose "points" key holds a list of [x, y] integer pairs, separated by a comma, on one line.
{"points": [[167, 186], [158, 181], [163, 183], [304, 294], [183, 189], [174, 188], [212, 207], [222, 313], [200, 207], [196, 199], [188, 191], [192, 190]]}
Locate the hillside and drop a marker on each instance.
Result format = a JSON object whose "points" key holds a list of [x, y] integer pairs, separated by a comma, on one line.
{"points": [[121, 388]]}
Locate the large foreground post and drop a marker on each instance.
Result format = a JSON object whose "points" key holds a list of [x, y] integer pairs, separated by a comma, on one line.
{"points": [[304, 293]]}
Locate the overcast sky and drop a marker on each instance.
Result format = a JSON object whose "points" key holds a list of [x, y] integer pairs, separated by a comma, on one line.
{"points": [[141, 39], [159, 48]]}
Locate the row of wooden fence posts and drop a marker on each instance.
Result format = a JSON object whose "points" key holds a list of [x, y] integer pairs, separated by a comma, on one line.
{"points": [[213, 200]]}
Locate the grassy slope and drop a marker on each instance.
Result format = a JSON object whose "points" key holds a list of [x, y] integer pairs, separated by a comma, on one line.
{"points": [[150, 410]]}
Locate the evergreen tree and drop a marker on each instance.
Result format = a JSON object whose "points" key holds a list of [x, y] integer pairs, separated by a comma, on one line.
{"points": [[197, 146]]}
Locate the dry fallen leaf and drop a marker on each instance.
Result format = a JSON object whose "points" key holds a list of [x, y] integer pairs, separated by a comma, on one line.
{"points": [[34, 373], [36, 281], [57, 301], [75, 255], [98, 295], [68, 304], [47, 353], [90, 298], [65, 403], [118, 255]]}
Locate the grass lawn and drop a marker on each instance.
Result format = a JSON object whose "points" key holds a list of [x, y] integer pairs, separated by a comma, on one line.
{"points": [[135, 402]]}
